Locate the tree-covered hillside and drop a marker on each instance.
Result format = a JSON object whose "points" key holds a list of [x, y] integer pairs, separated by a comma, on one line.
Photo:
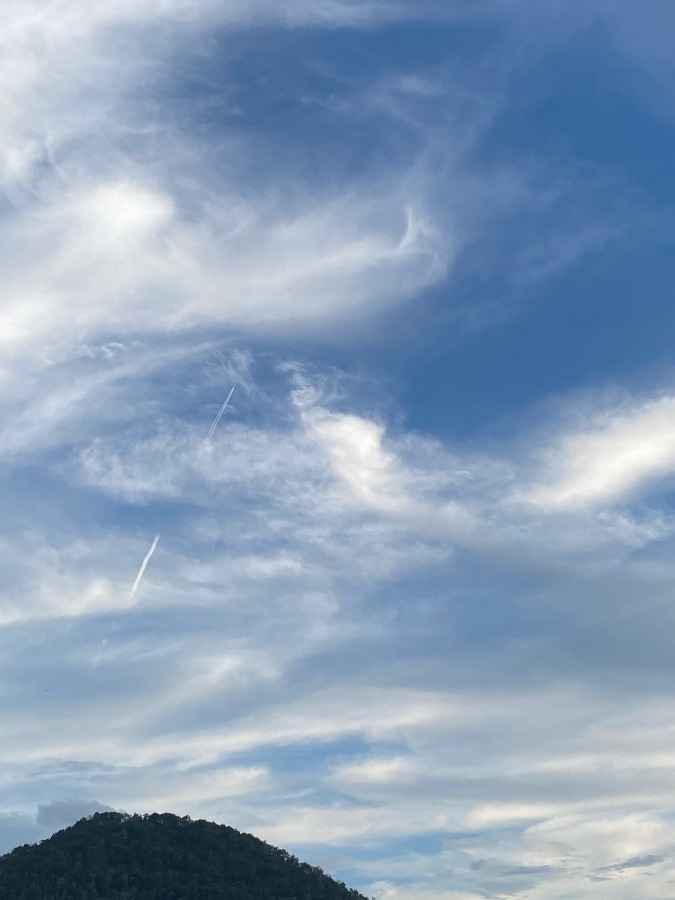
{"points": [[160, 857]]}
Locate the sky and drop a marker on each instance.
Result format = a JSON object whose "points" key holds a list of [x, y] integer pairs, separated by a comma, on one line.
{"points": [[409, 612]]}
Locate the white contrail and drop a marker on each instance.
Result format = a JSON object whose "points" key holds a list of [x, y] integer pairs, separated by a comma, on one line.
{"points": [[218, 417], [143, 567]]}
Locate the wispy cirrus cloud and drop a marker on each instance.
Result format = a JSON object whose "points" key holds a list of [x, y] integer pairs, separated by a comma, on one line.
{"points": [[619, 452], [446, 655]]}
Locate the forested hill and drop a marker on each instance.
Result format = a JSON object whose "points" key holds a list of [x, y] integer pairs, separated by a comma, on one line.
{"points": [[160, 857]]}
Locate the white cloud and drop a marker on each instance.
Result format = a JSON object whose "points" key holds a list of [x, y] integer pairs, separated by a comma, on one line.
{"points": [[116, 257], [154, 239], [346, 470], [617, 453]]}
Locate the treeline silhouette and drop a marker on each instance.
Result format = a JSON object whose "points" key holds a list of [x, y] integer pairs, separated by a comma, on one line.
{"points": [[114, 856]]}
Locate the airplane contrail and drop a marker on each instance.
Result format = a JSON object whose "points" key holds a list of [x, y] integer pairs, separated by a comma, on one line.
{"points": [[218, 417], [143, 567]]}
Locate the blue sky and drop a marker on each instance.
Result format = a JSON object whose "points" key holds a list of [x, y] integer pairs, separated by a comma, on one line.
{"points": [[410, 614]]}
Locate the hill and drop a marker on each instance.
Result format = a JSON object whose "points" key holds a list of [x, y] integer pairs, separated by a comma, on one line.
{"points": [[114, 856]]}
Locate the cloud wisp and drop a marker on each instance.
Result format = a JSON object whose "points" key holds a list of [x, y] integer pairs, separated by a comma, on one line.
{"points": [[143, 567], [218, 417]]}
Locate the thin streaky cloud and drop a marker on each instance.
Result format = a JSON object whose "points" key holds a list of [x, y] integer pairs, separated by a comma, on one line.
{"points": [[144, 565], [217, 419]]}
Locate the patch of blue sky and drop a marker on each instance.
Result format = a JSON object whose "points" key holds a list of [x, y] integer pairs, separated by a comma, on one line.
{"points": [[579, 104], [17, 829], [306, 758], [573, 110], [325, 73], [586, 328]]}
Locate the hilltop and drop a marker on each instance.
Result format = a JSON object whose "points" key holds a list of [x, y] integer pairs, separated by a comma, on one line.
{"points": [[114, 856]]}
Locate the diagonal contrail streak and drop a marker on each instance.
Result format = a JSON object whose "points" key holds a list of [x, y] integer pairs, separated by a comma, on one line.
{"points": [[143, 567], [218, 417]]}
